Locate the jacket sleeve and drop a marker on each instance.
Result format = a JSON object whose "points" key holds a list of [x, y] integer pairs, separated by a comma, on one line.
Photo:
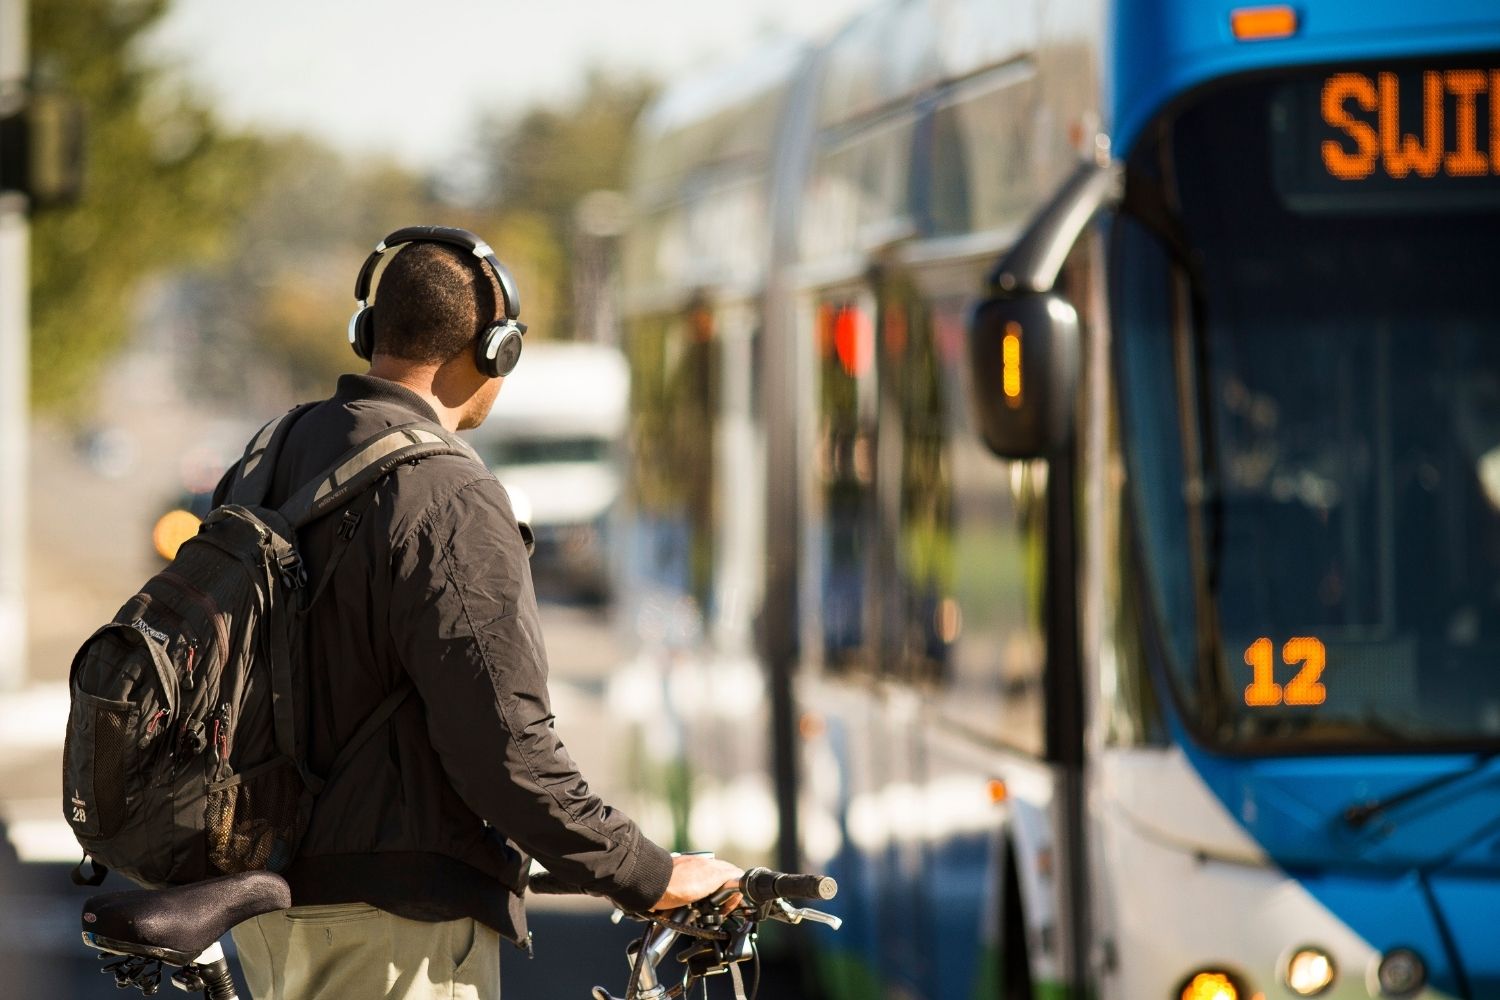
{"points": [[464, 620]]}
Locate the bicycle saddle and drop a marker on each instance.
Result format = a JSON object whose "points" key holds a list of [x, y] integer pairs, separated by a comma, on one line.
{"points": [[178, 924]]}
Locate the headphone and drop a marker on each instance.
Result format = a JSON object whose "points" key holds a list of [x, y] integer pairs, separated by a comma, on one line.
{"points": [[499, 345]]}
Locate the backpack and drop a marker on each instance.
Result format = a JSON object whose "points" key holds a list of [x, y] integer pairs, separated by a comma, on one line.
{"points": [[184, 755]]}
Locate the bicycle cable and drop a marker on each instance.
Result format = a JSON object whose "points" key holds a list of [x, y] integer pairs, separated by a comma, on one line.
{"points": [[688, 930]]}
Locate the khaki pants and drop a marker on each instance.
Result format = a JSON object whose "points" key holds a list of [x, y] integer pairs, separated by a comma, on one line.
{"points": [[352, 951]]}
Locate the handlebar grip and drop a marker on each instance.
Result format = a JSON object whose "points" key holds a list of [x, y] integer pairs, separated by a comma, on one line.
{"points": [[761, 885], [547, 884]]}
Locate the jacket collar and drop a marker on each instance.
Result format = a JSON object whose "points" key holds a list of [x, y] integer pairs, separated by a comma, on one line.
{"points": [[369, 389]]}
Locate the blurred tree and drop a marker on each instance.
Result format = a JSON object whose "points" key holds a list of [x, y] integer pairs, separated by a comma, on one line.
{"points": [[549, 157], [266, 233], [164, 184], [274, 311], [284, 294]]}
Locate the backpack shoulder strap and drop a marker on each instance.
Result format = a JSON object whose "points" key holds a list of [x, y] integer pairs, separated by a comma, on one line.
{"points": [[367, 729], [362, 465], [252, 478]]}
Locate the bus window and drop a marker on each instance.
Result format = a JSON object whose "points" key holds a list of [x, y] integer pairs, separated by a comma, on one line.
{"points": [[1350, 386], [673, 408], [1149, 412], [982, 157], [991, 517], [921, 616], [846, 478]]}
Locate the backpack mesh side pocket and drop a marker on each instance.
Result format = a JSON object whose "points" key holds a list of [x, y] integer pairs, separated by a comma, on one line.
{"points": [[98, 774], [255, 819], [113, 741]]}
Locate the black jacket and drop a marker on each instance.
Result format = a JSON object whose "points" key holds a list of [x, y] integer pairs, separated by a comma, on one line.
{"points": [[434, 817]]}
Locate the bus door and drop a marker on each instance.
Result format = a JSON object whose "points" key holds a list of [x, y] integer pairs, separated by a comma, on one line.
{"points": [[871, 722], [913, 566], [972, 568], [670, 548]]}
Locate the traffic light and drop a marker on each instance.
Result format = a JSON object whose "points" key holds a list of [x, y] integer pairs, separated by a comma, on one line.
{"points": [[41, 147]]}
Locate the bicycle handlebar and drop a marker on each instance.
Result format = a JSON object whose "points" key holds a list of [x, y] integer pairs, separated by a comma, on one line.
{"points": [[721, 937], [758, 886], [761, 885]]}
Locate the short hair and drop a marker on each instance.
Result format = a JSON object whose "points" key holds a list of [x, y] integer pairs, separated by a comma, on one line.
{"points": [[432, 302]]}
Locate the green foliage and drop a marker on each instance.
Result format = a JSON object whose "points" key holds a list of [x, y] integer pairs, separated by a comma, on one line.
{"points": [[163, 186], [262, 235], [278, 303], [282, 299]]}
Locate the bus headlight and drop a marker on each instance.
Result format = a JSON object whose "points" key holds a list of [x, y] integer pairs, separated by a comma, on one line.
{"points": [[1208, 985], [1309, 972]]}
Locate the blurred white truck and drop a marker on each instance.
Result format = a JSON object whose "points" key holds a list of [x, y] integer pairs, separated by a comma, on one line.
{"points": [[553, 440]]}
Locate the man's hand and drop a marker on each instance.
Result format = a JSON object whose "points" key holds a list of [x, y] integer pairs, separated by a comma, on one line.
{"points": [[695, 877]]}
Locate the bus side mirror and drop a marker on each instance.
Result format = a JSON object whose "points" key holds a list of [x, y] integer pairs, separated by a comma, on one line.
{"points": [[1024, 338], [1023, 366]]}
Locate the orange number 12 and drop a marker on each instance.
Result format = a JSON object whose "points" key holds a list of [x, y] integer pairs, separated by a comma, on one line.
{"points": [[1303, 689]]}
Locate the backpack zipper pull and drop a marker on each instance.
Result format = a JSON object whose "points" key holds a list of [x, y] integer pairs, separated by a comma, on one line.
{"points": [[152, 728], [187, 671]]}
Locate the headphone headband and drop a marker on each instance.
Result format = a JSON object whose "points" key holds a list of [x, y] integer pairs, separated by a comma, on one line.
{"points": [[454, 237], [498, 345]]}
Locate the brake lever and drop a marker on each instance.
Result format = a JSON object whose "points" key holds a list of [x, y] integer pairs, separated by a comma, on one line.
{"points": [[795, 915]]}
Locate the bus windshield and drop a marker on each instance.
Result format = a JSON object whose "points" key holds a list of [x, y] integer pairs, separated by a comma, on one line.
{"points": [[1313, 427]]}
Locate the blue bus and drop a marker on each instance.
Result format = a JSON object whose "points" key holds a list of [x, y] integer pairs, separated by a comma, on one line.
{"points": [[1065, 491]]}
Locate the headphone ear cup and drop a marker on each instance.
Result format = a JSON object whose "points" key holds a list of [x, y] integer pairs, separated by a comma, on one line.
{"points": [[498, 350], [362, 332]]}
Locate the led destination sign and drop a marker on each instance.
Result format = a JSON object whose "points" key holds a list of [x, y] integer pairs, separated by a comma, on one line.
{"points": [[1389, 139]]}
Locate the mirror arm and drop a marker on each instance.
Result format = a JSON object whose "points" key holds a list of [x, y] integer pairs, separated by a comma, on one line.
{"points": [[1036, 259]]}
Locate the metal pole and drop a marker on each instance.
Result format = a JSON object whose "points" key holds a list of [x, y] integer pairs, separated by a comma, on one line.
{"points": [[15, 369]]}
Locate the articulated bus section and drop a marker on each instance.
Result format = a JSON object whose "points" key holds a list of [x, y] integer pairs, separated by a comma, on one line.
{"points": [[1066, 464]]}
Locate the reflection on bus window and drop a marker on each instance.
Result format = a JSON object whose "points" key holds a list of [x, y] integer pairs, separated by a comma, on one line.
{"points": [[674, 406], [993, 516], [846, 473], [925, 615]]}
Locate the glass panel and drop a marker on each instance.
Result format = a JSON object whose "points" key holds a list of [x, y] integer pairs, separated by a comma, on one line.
{"points": [[982, 157], [674, 406], [859, 192], [1351, 372], [846, 478], [1150, 416], [995, 556], [921, 616]]}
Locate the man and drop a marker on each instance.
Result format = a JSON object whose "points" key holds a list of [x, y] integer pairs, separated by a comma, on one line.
{"points": [[411, 867]]}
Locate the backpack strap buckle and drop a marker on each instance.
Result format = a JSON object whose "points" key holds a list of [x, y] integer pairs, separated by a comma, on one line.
{"points": [[293, 573]]}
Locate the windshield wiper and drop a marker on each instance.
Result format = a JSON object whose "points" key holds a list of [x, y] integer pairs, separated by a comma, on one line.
{"points": [[1360, 813]]}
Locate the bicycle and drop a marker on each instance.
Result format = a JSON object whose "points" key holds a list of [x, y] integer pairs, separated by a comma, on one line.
{"points": [[140, 930], [719, 939]]}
